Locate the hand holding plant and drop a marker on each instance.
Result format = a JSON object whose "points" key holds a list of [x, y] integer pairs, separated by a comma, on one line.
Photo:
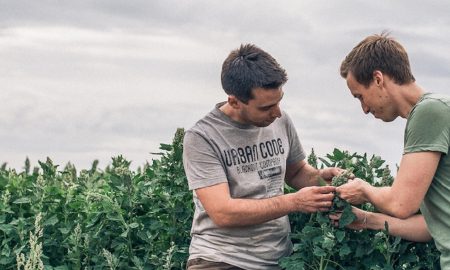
{"points": [[354, 191], [327, 174], [359, 223], [313, 199]]}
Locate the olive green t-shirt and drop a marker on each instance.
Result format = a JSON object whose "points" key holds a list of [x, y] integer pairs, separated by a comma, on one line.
{"points": [[428, 129]]}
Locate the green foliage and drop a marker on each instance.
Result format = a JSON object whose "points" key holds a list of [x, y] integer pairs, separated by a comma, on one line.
{"points": [[111, 219], [320, 245], [122, 219]]}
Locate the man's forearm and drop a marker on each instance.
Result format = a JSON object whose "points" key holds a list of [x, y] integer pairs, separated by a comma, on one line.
{"points": [[231, 212], [245, 212], [410, 186], [413, 228], [386, 201], [307, 176]]}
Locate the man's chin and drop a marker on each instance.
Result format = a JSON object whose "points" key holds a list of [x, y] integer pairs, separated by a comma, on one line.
{"points": [[263, 124], [387, 120]]}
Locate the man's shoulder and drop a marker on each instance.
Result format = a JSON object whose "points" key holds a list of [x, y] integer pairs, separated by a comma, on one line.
{"points": [[202, 122], [439, 100], [431, 108], [433, 104]]}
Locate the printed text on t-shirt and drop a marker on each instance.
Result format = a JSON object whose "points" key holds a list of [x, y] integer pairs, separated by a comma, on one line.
{"points": [[252, 153]]}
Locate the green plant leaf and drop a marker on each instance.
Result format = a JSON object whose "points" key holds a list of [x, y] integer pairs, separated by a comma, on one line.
{"points": [[51, 221], [22, 200], [133, 225]]}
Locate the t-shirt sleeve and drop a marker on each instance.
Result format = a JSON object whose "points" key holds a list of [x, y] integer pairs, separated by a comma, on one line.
{"points": [[296, 152], [428, 128], [201, 163]]}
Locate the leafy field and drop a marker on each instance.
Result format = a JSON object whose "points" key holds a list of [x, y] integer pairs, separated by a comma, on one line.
{"points": [[318, 245], [116, 218]]}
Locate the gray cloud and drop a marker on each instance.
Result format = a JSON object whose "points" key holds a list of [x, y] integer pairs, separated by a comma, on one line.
{"points": [[85, 80]]}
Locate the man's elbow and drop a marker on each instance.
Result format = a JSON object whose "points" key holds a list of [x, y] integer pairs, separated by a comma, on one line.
{"points": [[403, 212], [425, 237], [223, 221], [222, 218]]}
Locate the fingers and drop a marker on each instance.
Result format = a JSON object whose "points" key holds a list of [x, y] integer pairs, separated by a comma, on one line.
{"points": [[351, 184], [324, 197], [351, 176], [329, 173], [335, 216], [313, 199], [316, 207], [325, 194], [334, 219], [324, 202], [325, 189], [353, 191]]}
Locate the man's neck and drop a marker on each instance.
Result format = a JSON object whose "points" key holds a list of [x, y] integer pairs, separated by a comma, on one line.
{"points": [[228, 110], [407, 97]]}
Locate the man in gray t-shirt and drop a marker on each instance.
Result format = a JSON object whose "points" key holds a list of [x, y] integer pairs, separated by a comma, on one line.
{"points": [[237, 159]]}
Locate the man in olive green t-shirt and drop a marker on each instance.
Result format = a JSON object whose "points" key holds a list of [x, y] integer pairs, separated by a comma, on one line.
{"points": [[378, 73], [428, 130]]}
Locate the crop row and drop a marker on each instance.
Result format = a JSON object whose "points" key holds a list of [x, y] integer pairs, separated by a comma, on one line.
{"points": [[117, 218]]}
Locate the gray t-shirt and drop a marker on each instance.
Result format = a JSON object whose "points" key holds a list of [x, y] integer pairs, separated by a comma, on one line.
{"points": [[252, 160]]}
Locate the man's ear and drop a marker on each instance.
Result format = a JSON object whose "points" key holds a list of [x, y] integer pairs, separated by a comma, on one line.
{"points": [[378, 78], [234, 102]]}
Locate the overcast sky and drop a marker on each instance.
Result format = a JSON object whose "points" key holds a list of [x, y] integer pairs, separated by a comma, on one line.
{"points": [[86, 80]]}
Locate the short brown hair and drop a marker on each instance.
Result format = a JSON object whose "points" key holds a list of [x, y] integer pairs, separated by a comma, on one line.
{"points": [[378, 52], [249, 67]]}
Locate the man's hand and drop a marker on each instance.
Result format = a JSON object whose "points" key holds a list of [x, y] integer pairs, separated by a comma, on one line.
{"points": [[301, 174], [313, 199], [327, 174], [354, 191], [359, 223], [413, 228]]}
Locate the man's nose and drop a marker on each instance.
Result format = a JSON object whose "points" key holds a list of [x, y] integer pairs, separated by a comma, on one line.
{"points": [[276, 111]]}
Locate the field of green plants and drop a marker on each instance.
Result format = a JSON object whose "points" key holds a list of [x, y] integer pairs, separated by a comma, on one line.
{"points": [[54, 217]]}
